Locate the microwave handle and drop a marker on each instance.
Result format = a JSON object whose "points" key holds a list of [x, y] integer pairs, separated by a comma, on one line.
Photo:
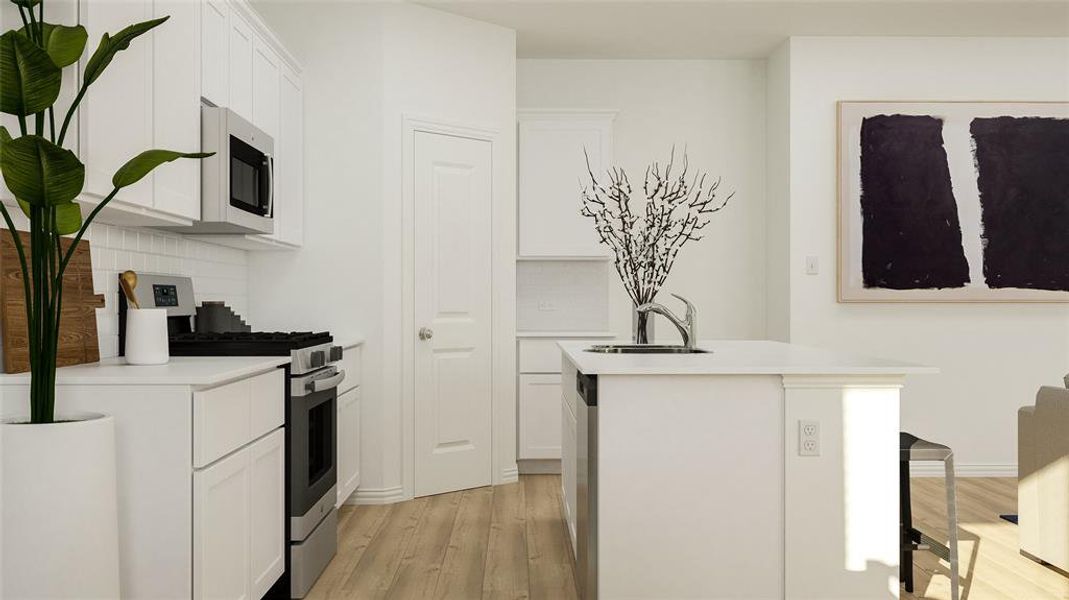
{"points": [[270, 185]]}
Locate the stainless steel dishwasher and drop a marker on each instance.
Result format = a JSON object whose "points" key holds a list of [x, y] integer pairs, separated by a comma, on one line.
{"points": [[587, 486]]}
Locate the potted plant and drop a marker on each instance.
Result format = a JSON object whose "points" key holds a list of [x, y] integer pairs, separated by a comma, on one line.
{"points": [[59, 515], [645, 240]]}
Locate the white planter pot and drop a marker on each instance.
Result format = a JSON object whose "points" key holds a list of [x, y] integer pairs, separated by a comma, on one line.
{"points": [[59, 520]]}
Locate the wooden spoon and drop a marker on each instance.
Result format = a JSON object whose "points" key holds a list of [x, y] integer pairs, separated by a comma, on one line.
{"points": [[128, 281]]}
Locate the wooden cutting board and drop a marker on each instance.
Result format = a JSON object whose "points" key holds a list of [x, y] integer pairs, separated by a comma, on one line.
{"points": [[77, 325]]}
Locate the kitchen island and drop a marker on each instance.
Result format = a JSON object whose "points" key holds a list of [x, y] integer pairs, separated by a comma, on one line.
{"points": [[685, 475]]}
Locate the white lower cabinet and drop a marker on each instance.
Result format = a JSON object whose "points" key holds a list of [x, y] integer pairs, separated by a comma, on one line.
{"points": [[238, 521], [348, 444], [221, 529], [267, 512], [540, 424]]}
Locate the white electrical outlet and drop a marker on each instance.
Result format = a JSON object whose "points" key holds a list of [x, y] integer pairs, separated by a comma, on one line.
{"points": [[808, 438], [812, 265], [547, 306]]}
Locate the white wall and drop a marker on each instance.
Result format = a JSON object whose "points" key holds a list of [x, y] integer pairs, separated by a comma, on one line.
{"points": [[993, 356], [366, 67], [716, 108], [777, 213]]}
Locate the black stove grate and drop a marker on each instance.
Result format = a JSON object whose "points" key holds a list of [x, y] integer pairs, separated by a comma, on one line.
{"points": [[243, 343]]}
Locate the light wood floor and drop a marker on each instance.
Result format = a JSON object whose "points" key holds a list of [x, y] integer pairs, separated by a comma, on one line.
{"points": [[509, 542], [502, 542], [991, 568]]}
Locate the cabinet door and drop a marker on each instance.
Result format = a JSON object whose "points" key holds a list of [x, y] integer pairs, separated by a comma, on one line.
{"points": [[240, 61], [265, 87], [116, 113], [540, 425], [551, 167], [267, 511], [289, 165], [348, 444], [176, 102], [221, 529], [215, 51]]}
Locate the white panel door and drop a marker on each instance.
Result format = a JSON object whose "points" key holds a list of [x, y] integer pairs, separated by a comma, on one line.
{"points": [[540, 424], [452, 208], [221, 529], [176, 103], [267, 512]]}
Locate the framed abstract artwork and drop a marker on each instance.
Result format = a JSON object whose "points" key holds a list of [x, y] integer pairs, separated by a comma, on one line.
{"points": [[954, 201]]}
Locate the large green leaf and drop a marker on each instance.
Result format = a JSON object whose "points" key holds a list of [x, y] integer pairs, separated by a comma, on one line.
{"points": [[112, 45], [143, 164], [29, 80], [39, 172], [68, 218], [63, 44]]}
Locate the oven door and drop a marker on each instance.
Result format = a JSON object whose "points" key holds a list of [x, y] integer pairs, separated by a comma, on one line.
{"points": [[313, 450]]}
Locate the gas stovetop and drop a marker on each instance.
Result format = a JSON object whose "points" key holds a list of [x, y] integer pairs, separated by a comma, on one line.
{"points": [[237, 343]]}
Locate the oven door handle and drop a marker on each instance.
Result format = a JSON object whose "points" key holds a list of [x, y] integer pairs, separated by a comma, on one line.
{"points": [[326, 383]]}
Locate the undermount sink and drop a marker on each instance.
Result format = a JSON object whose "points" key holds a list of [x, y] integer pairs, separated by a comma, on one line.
{"points": [[644, 349]]}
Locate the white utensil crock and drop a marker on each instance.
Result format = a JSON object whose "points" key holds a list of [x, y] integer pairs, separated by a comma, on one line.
{"points": [[146, 336]]}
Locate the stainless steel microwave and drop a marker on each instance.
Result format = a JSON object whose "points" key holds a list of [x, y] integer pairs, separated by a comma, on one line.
{"points": [[237, 183]]}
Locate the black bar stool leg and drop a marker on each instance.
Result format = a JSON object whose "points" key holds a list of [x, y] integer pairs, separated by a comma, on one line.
{"points": [[905, 568]]}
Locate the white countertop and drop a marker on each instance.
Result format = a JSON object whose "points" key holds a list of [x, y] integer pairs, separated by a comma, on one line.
{"points": [[182, 370], [350, 342], [738, 357]]}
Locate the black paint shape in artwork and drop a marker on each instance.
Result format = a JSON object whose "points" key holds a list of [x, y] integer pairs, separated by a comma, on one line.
{"points": [[1023, 175], [911, 237]]}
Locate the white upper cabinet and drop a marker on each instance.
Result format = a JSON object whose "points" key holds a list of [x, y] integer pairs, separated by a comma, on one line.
{"points": [[147, 98], [265, 88], [240, 66], [176, 106], [116, 114], [289, 165], [215, 51], [551, 171]]}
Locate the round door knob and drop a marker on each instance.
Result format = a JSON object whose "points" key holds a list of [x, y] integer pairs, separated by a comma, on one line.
{"points": [[426, 333]]}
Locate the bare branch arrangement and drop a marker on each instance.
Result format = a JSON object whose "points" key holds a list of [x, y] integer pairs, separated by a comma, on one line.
{"points": [[646, 240]]}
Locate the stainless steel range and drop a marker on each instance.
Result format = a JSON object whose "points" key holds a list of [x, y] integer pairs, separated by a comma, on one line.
{"points": [[311, 412]]}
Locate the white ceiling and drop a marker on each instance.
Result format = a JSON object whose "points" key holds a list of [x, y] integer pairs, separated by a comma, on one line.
{"points": [[743, 28]]}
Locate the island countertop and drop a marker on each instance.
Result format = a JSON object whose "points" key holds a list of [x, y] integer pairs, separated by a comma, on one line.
{"points": [[181, 370], [738, 357]]}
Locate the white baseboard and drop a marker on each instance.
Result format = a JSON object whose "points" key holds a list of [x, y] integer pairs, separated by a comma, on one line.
{"points": [[539, 467], [935, 469], [388, 495]]}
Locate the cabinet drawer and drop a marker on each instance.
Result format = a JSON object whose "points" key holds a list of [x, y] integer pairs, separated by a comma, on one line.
{"points": [[227, 417], [539, 356], [351, 363]]}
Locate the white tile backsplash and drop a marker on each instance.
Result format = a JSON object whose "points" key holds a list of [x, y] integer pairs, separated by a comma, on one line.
{"points": [[562, 295], [218, 273]]}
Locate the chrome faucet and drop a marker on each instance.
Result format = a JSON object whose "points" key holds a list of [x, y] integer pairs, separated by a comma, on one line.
{"points": [[687, 326]]}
